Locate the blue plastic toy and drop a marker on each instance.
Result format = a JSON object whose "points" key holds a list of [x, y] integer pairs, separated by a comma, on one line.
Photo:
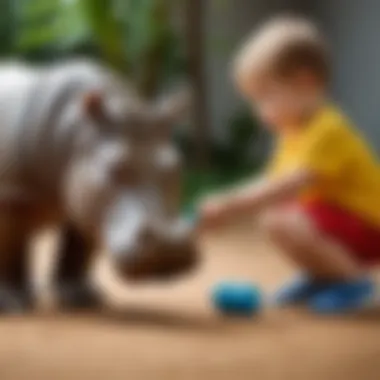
{"points": [[239, 299]]}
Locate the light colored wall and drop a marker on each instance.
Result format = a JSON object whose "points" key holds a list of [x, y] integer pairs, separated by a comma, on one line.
{"points": [[353, 27]]}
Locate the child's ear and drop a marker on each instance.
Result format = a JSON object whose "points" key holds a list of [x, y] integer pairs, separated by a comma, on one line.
{"points": [[307, 79], [93, 104]]}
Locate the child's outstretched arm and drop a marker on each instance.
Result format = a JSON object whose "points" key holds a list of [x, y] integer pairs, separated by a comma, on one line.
{"points": [[254, 198]]}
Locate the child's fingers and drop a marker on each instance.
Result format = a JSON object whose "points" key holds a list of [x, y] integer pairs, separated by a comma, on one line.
{"points": [[210, 222], [209, 216]]}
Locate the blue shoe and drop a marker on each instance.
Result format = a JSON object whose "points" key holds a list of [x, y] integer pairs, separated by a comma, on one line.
{"points": [[344, 297], [298, 291]]}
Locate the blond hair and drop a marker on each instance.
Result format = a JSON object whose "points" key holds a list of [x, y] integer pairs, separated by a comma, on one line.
{"points": [[279, 48]]}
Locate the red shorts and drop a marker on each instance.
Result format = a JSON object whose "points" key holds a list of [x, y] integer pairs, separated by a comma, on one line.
{"points": [[356, 234]]}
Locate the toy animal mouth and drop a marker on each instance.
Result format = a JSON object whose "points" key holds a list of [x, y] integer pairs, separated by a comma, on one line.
{"points": [[144, 245], [166, 262]]}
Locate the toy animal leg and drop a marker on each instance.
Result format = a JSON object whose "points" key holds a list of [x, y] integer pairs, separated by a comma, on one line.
{"points": [[15, 289], [74, 262]]}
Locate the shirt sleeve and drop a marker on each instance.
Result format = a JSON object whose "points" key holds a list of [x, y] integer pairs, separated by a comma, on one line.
{"points": [[326, 150]]}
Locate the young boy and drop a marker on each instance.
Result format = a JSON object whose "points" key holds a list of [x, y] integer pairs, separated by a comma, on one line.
{"points": [[319, 199]]}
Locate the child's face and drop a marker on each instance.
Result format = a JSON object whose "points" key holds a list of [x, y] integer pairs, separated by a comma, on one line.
{"points": [[283, 104]]}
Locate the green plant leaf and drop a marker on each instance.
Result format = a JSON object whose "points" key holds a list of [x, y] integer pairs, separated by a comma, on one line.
{"points": [[56, 24], [107, 31]]}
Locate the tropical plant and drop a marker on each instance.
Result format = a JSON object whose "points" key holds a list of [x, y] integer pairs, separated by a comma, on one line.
{"points": [[49, 28], [7, 27], [134, 36]]}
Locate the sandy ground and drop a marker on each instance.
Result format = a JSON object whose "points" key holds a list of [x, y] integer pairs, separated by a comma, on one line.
{"points": [[169, 331]]}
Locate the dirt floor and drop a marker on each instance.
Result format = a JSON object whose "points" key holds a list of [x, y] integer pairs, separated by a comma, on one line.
{"points": [[169, 331]]}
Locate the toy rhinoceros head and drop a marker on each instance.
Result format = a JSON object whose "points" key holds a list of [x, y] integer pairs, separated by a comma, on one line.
{"points": [[123, 186]]}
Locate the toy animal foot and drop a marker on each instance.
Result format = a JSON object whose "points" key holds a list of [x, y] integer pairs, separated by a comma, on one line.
{"points": [[78, 296], [14, 301]]}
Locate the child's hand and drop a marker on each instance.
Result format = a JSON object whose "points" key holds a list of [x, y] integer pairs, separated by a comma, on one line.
{"points": [[213, 213]]}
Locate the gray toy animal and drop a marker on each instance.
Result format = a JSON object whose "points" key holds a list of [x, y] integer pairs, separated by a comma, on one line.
{"points": [[79, 150]]}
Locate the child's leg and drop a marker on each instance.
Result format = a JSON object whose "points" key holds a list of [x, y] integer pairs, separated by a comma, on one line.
{"points": [[318, 243], [321, 257]]}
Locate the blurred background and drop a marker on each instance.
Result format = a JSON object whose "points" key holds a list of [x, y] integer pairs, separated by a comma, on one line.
{"points": [[157, 43], [169, 334]]}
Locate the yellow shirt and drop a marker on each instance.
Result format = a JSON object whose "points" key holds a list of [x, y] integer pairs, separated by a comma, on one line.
{"points": [[348, 172]]}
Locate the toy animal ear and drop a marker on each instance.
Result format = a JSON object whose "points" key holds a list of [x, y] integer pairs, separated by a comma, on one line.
{"points": [[176, 107], [93, 104], [171, 110]]}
